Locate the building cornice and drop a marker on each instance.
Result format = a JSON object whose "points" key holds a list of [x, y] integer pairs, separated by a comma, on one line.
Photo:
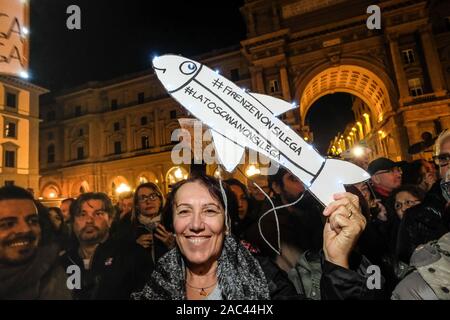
{"points": [[23, 84]]}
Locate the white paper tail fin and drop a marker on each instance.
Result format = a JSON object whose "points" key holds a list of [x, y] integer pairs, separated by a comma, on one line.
{"points": [[332, 178]]}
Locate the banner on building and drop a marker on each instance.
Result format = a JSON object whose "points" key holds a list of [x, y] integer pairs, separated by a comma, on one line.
{"points": [[14, 26]]}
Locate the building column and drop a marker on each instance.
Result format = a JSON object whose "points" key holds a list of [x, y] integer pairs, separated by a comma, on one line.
{"points": [[129, 136], [251, 24], [398, 69], [413, 132], [432, 59], [286, 91], [67, 146], [156, 132], [445, 122], [285, 83], [257, 79], [93, 142], [400, 136]]}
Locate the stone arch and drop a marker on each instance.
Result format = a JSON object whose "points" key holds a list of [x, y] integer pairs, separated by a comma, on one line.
{"points": [[115, 182], [173, 175], [365, 80], [79, 187], [144, 131], [147, 176], [75, 144], [50, 190], [75, 131]]}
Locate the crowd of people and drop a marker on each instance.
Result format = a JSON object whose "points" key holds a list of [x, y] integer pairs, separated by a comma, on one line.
{"points": [[208, 239]]}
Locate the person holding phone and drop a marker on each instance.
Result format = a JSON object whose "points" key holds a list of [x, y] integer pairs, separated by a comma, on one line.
{"points": [[145, 220]]}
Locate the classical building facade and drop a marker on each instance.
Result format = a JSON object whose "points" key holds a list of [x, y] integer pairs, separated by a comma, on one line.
{"points": [[19, 121], [103, 135], [117, 134], [318, 47]]}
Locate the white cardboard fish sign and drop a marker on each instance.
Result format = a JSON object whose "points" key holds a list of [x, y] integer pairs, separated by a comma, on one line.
{"points": [[239, 119]]}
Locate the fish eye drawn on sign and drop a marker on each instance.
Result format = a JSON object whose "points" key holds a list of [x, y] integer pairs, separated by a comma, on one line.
{"points": [[240, 119]]}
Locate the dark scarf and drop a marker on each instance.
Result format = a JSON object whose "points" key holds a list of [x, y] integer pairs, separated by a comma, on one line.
{"points": [[24, 282], [240, 276]]}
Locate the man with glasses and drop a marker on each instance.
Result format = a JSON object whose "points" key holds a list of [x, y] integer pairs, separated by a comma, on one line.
{"points": [[29, 269], [442, 159], [386, 176], [110, 269], [424, 283]]}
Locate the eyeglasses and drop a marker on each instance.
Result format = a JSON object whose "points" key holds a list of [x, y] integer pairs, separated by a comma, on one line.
{"points": [[151, 197], [408, 203], [442, 160], [392, 170]]}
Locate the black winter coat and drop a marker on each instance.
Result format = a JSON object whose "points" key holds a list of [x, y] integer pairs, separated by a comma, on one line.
{"points": [[117, 269]]}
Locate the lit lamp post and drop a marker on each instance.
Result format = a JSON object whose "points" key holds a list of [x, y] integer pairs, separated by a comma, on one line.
{"points": [[352, 136], [356, 135], [361, 131], [349, 142], [367, 120]]}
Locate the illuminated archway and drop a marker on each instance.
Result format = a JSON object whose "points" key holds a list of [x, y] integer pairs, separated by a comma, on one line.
{"points": [[174, 175], [51, 191], [79, 187], [146, 176], [353, 79], [118, 184]]}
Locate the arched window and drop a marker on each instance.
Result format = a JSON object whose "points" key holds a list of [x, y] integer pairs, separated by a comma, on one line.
{"points": [[145, 142]]}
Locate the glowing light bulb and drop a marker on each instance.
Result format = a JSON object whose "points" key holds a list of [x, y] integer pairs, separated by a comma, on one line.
{"points": [[358, 151], [52, 195], [24, 75], [123, 188], [252, 170], [178, 174]]}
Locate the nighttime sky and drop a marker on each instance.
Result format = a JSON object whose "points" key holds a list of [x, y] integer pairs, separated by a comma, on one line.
{"points": [[120, 37], [328, 116]]}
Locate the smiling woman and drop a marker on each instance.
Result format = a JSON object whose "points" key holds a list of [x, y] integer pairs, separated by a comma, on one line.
{"points": [[209, 263]]}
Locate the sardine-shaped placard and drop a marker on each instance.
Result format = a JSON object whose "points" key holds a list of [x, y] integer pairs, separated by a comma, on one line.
{"points": [[239, 119]]}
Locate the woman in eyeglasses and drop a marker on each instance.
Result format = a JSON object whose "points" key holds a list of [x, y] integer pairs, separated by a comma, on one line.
{"points": [[405, 197], [146, 217], [143, 226]]}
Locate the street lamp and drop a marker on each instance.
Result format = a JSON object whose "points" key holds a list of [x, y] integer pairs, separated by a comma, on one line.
{"points": [[367, 119], [123, 188]]}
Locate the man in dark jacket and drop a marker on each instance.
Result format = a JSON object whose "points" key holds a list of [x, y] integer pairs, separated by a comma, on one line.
{"points": [[29, 269], [110, 269]]}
